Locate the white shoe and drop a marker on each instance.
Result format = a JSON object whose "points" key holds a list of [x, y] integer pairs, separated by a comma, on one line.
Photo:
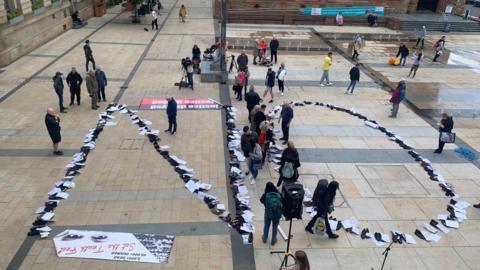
{"points": [[329, 83], [322, 84], [281, 94], [253, 182]]}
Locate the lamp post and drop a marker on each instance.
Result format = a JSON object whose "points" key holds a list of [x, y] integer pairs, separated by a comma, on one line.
{"points": [[223, 37]]}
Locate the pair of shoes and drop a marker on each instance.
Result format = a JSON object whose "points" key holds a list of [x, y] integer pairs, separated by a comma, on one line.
{"points": [[308, 229], [271, 101], [274, 241], [58, 153], [264, 240], [476, 205], [253, 182], [437, 151], [333, 236]]}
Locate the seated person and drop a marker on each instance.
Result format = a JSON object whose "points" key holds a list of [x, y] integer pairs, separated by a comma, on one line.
{"points": [[76, 19]]}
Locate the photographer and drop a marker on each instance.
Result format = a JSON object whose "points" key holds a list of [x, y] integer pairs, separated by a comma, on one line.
{"points": [[187, 65]]}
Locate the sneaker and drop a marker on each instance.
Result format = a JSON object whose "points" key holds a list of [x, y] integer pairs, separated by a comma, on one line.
{"points": [[476, 205], [437, 151], [322, 84], [166, 130], [253, 182], [172, 133], [281, 94], [308, 229], [274, 241], [271, 101], [329, 83], [58, 153], [264, 240], [333, 236], [247, 173]]}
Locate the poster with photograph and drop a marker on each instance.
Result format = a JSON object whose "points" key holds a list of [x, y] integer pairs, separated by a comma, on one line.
{"points": [[118, 246]]}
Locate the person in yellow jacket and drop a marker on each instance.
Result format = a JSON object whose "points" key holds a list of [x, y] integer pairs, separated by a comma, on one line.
{"points": [[182, 13], [327, 63]]}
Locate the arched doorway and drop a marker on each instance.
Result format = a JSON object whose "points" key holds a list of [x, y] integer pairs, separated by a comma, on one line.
{"points": [[427, 5]]}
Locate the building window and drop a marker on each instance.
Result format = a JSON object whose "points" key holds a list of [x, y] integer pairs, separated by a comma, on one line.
{"points": [[11, 4]]}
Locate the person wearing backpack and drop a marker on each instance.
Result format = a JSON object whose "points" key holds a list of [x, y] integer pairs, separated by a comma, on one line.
{"points": [[289, 164], [323, 199], [255, 162], [272, 201], [398, 95]]}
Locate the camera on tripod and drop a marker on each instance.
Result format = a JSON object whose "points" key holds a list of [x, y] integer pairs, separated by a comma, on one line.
{"points": [[187, 74], [186, 62]]}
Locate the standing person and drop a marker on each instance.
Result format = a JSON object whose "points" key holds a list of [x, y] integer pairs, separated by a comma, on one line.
{"points": [[242, 76], [172, 115], [251, 118], [301, 262], [327, 63], [354, 78], [102, 83], [255, 51], [58, 86], [286, 115], [263, 46], [154, 20], [422, 33], [439, 47], [445, 125], [74, 81], [416, 63], [281, 74], [245, 82], [324, 206], [52, 121], [398, 95], [269, 84], [403, 52], [246, 143], [274, 44], [255, 162], [259, 117], [264, 138], [182, 13], [242, 60], [196, 53], [92, 88], [189, 70], [88, 54], [355, 52], [339, 19], [237, 88], [272, 201], [252, 99], [289, 164]]}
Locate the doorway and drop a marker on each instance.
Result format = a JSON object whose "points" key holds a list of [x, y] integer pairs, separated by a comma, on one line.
{"points": [[427, 5]]}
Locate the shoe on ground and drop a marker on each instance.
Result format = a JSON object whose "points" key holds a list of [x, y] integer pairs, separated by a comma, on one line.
{"points": [[282, 138], [71, 104], [104, 100], [281, 94], [329, 83], [271, 101], [58, 153], [476, 205], [322, 84], [274, 241], [172, 133], [253, 182], [391, 116], [285, 142], [307, 229], [166, 130], [437, 151], [264, 240], [63, 111], [333, 236]]}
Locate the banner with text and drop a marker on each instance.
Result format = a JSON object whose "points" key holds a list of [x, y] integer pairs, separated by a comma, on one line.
{"points": [[182, 104], [346, 11], [117, 246]]}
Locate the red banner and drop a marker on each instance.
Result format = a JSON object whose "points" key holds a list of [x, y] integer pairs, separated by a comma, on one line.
{"points": [[182, 104]]}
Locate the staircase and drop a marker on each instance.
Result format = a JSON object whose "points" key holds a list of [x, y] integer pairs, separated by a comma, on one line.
{"points": [[455, 26]]}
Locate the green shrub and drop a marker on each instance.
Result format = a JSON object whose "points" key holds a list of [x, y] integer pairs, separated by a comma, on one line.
{"points": [[14, 13], [36, 4]]}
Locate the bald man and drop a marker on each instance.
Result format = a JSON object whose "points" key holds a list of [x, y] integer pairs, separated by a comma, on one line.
{"points": [[52, 121]]}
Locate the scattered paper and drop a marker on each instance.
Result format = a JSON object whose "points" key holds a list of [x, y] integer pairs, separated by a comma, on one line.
{"points": [[410, 240]]}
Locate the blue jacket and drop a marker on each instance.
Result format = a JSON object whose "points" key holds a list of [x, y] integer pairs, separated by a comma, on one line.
{"points": [[101, 78], [58, 84], [172, 108]]}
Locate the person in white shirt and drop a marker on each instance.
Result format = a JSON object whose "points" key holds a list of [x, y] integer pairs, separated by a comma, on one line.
{"points": [[154, 19], [281, 73]]}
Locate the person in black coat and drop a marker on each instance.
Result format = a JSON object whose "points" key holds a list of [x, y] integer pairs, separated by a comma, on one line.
{"points": [[74, 81], [269, 83], [242, 61], [354, 78], [52, 122], [403, 52], [58, 86], [290, 154], [88, 54], [445, 125], [274, 49], [252, 99], [259, 117], [172, 115], [323, 202]]}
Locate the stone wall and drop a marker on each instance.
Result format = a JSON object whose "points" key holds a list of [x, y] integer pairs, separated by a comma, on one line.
{"points": [[36, 30]]}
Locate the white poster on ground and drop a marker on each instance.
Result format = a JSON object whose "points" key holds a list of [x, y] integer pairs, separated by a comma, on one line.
{"points": [[117, 246]]}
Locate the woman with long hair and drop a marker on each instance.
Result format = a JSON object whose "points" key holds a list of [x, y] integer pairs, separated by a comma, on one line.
{"points": [[301, 261]]}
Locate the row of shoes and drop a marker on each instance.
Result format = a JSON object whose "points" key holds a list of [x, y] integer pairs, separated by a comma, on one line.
{"points": [[243, 221]]}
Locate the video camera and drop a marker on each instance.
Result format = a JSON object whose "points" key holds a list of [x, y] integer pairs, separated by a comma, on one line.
{"points": [[186, 62]]}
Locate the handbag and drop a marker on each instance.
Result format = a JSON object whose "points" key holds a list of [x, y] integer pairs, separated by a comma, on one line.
{"points": [[447, 137]]}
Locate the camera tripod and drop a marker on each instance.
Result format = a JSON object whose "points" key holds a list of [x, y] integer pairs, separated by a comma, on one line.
{"points": [[286, 253], [232, 64], [183, 81], [385, 254]]}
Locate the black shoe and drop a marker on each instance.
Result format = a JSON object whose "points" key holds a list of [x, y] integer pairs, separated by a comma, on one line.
{"points": [[476, 205], [172, 133], [271, 101], [63, 111], [71, 104], [285, 142], [58, 153], [308, 229], [282, 138], [166, 130], [437, 151], [333, 236], [78, 103], [104, 100]]}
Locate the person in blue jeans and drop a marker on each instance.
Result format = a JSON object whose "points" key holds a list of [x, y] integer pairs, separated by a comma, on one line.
{"points": [[354, 78], [272, 201]]}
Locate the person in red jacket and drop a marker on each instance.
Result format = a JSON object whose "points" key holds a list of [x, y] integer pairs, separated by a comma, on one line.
{"points": [[398, 95], [263, 46]]}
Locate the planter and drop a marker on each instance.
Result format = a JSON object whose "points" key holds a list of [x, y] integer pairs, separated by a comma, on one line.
{"points": [[16, 20], [56, 4], [39, 11]]}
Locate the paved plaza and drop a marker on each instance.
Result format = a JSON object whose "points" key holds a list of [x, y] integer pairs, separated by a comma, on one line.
{"points": [[127, 187]]}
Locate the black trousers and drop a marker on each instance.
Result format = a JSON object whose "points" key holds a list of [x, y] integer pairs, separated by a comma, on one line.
{"points": [[281, 85], [285, 130], [273, 54], [246, 86], [74, 92], [355, 55], [155, 23], [327, 224], [436, 56], [89, 59], [190, 79], [101, 93], [422, 40], [60, 100], [172, 123]]}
